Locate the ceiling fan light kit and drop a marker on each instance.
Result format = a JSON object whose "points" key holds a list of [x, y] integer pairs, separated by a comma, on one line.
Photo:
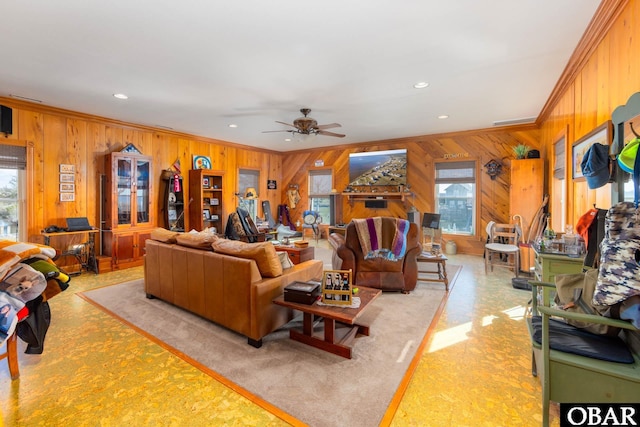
{"points": [[306, 126]]}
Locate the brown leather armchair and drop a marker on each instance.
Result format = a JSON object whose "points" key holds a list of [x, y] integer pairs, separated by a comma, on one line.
{"points": [[378, 272]]}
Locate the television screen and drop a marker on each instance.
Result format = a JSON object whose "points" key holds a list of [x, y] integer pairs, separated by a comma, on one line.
{"points": [[378, 168]]}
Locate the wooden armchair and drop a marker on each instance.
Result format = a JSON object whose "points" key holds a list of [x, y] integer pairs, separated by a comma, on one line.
{"points": [[574, 378], [502, 248]]}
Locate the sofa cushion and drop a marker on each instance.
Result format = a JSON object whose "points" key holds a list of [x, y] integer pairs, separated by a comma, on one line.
{"points": [[201, 240], [163, 235], [285, 261], [264, 254]]}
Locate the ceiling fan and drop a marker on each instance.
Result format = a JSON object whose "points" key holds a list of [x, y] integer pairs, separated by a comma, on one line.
{"points": [[308, 126]]}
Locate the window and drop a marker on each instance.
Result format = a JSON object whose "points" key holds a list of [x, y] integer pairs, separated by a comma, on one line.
{"points": [[249, 178], [319, 191], [13, 162], [558, 183], [456, 197]]}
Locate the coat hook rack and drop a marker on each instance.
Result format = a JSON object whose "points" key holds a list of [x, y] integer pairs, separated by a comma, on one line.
{"points": [[296, 186]]}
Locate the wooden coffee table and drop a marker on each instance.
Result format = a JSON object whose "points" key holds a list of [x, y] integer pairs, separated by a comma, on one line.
{"points": [[340, 327]]}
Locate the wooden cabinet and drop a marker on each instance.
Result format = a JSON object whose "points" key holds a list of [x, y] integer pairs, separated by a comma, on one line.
{"points": [[128, 218], [206, 208], [173, 203], [547, 266], [126, 248], [527, 190], [298, 255]]}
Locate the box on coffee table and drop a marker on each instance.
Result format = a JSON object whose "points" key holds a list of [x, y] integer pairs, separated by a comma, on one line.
{"points": [[302, 292]]}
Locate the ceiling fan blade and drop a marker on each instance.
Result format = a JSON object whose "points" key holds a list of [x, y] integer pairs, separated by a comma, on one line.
{"points": [[324, 132], [283, 123], [268, 131], [328, 126]]}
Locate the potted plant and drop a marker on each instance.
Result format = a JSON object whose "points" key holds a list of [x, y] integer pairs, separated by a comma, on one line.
{"points": [[521, 151]]}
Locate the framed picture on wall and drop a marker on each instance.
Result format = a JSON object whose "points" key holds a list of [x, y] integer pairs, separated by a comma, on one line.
{"points": [[602, 135], [67, 188], [66, 168], [67, 177]]}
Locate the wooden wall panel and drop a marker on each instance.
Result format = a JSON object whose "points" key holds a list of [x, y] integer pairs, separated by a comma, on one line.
{"points": [[604, 79], [609, 75], [422, 154], [60, 136], [30, 128]]}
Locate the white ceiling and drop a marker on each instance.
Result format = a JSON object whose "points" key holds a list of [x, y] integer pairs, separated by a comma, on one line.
{"points": [[197, 66]]}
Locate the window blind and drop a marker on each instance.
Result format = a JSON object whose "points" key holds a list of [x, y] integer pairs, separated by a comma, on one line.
{"points": [[319, 182], [559, 159], [460, 172], [13, 157]]}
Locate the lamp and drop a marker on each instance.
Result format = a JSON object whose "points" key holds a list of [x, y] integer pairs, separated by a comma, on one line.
{"points": [[306, 137], [431, 227]]}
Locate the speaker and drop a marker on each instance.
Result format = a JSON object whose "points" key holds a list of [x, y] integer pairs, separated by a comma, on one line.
{"points": [[414, 216], [335, 209], [6, 121], [375, 204]]}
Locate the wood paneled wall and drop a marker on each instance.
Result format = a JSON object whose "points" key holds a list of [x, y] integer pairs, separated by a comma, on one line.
{"points": [[61, 136], [422, 153], [602, 74], [608, 73]]}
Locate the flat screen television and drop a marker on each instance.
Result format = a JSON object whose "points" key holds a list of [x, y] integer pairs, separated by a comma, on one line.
{"points": [[387, 167]]}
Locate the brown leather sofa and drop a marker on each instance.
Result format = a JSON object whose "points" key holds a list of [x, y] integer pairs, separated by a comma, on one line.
{"points": [[225, 289], [377, 272]]}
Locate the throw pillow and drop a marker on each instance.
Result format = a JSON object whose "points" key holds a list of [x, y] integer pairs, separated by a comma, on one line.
{"points": [[264, 254], [285, 261], [201, 240], [163, 235]]}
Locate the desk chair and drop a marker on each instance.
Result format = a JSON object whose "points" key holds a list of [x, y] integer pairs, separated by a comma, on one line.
{"points": [[502, 248]]}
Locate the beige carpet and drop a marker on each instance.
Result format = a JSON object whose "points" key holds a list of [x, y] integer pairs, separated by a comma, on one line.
{"points": [[318, 388]]}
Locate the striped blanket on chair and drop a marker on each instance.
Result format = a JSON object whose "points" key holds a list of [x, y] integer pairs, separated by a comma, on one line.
{"points": [[382, 237]]}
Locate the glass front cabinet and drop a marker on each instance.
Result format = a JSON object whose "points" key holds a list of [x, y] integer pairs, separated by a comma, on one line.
{"points": [[128, 218]]}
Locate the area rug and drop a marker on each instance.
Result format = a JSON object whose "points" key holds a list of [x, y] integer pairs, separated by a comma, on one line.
{"points": [[313, 386]]}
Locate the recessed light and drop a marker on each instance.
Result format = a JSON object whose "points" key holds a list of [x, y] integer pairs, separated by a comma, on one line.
{"points": [[287, 139], [421, 85], [120, 96], [443, 116], [232, 125]]}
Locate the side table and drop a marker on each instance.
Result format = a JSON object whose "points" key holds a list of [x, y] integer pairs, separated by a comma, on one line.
{"points": [[298, 255], [441, 273], [86, 257]]}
